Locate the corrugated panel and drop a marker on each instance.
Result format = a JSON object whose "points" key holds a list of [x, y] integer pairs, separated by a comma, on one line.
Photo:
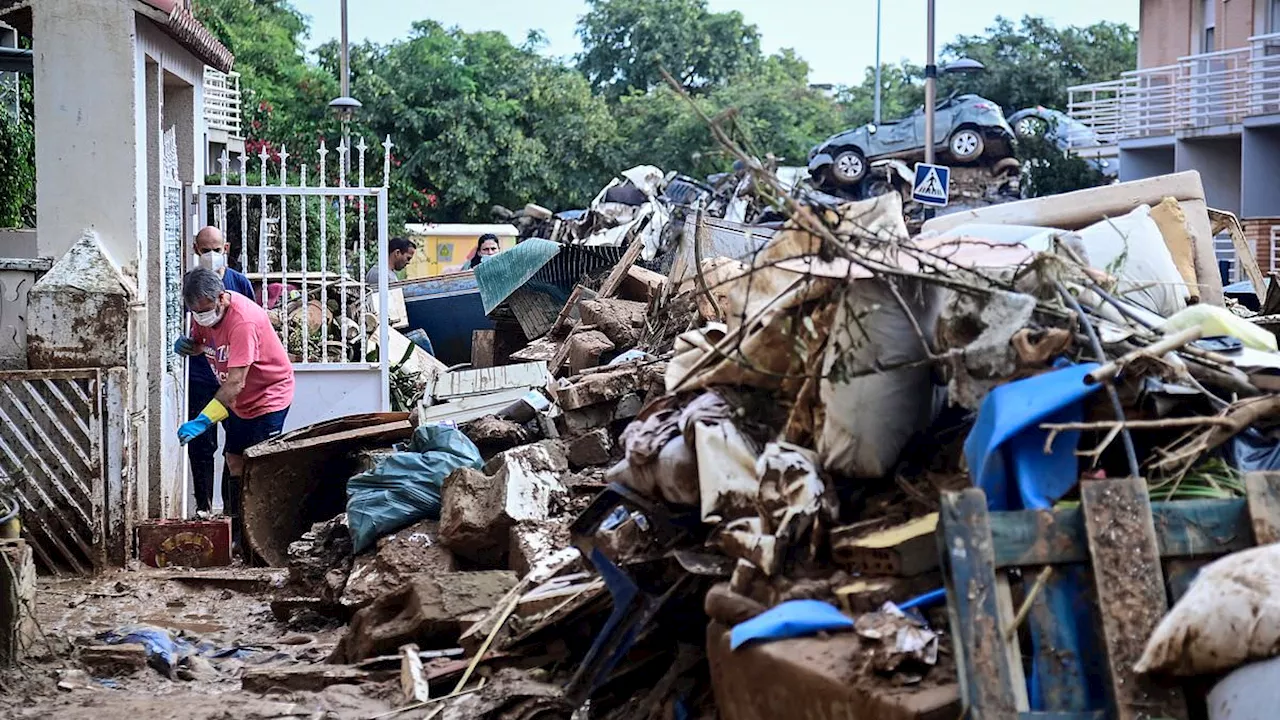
{"points": [[51, 463]]}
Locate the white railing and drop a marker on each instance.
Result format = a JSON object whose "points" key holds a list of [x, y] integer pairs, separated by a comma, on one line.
{"points": [[1264, 74], [222, 101], [1271, 250], [1213, 88], [1097, 106], [1149, 103]]}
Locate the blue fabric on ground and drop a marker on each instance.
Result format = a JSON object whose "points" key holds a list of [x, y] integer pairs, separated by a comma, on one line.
{"points": [[1006, 458], [794, 618]]}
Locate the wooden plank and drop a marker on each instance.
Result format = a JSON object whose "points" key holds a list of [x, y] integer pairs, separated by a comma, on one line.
{"points": [[1263, 497], [570, 305], [1131, 594], [398, 430], [1185, 528], [482, 348], [536, 311], [1012, 652], [965, 545], [903, 550], [611, 283], [1059, 670], [482, 381], [1244, 254], [471, 407]]}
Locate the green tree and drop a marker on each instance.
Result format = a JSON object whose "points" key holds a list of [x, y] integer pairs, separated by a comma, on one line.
{"points": [[1047, 170], [771, 109], [480, 121], [902, 91], [625, 42], [1033, 62]]}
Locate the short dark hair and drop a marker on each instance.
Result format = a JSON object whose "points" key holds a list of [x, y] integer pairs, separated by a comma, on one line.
{"points": [[401, 244], [201, 284]]}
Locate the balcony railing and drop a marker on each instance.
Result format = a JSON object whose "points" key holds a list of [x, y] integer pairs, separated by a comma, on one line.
{"points": [[1195, 93], [222, 101]]}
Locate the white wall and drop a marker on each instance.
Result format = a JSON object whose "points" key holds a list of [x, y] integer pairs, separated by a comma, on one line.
{"points": [[86, 145]]}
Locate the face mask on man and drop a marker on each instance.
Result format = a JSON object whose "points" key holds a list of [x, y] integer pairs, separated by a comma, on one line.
{"points": [[208, 318], [214, 261]]}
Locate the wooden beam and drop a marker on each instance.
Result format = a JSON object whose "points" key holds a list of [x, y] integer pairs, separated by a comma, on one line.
{"points": [[1131, 593], [965, 546], [614, 281]]}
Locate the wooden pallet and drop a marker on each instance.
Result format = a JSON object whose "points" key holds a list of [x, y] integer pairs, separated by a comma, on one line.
{"points": [[1130, 546]]}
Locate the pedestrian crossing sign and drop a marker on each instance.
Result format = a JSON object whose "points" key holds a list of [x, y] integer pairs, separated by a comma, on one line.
{"points": [[932, 185]]}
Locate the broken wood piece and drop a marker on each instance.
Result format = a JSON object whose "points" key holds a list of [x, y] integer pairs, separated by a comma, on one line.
{"points": [[307, 678], [1156, 349], [904, 550], [413, 684], [536, 311], [614, 280], [114, 660], [544, 349], [565, 318], [482, 345], [1131, 594], [641, 284], [1244, 254]]}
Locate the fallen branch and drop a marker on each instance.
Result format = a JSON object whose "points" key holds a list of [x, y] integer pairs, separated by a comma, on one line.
{"points": [[1239, 416], [1156, 349]]}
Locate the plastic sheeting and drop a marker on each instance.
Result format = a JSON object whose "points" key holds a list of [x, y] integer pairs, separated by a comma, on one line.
{"points": [[405, 486]]}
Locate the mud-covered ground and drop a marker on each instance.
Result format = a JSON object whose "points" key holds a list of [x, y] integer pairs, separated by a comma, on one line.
{"points": [[224, 613]]}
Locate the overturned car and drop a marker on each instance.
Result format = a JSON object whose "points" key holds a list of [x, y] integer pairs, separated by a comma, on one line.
{"points": [[967, 128]]}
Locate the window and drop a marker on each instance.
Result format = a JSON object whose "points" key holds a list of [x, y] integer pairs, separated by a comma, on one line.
{"points": [[1208, 19], [1273, 16]]}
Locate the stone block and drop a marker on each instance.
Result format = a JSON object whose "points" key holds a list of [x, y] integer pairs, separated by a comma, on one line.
{"points": [[585, 349], [533, 541], [594, 447], [427, 610], [397, 558]]}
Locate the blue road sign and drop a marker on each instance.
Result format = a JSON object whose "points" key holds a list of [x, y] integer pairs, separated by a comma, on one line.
{"points": [[932, 185]]}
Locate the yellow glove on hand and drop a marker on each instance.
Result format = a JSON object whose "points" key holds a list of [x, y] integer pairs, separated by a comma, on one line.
{"points": [[215, 411]]}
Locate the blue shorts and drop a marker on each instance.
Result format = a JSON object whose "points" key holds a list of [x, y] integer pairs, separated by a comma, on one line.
{"points": [[243, 434]]}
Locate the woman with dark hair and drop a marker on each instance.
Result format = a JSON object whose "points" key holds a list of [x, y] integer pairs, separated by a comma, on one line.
{"points": [[487, 247]]}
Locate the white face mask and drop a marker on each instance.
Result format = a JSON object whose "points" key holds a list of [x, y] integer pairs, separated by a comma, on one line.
{"points": [[208, 318], [215, 261]]}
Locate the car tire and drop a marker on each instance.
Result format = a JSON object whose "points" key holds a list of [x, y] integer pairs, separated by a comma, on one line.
{"points": [[1030, 126], [848, 167], [966, 145]]}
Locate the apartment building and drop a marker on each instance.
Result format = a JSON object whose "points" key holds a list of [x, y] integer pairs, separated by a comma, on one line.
{"points": [[1205, 96]]}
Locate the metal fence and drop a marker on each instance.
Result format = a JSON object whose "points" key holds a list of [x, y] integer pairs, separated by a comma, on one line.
{"points": [[307, 248], [51, 463]]}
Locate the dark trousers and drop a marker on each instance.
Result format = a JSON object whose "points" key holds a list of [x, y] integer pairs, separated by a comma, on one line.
{"points": [[201, 449], [241, 435]]}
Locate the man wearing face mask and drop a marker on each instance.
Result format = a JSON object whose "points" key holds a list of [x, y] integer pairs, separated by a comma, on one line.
{"points": [[254, 373], [211, 254]]}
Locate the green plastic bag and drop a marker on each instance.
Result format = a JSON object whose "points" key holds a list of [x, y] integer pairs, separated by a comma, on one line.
{"points": [[405, 486]]}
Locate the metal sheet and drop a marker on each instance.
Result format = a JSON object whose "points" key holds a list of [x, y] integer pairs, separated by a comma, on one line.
{"points": [[51, 461]]}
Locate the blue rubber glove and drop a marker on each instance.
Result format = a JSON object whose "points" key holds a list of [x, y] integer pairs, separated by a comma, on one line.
{"points": [[192, 429], [185, 346]]}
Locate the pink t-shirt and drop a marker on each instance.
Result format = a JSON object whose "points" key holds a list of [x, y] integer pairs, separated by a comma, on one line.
{"points": [[244, 338]]}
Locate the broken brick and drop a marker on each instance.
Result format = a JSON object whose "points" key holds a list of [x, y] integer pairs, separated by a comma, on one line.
{"points": [[585, 349], [595, 447], [478, 510], [427, 610], [619, 320], [600, 415], [398, 557], [532, 541]]}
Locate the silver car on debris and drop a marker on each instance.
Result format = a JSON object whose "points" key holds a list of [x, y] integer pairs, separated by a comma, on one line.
{"points": [[967, 128]]}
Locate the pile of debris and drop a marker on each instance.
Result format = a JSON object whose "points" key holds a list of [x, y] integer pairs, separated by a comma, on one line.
{"points": [[689, 474]]}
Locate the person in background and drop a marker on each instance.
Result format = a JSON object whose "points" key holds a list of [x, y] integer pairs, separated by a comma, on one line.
{"points": [[399, 253], [211, 254], [253, 370], [487, 247]]}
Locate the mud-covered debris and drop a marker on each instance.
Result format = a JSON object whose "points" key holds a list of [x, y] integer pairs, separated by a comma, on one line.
{"points": [[398, 557], [594, 447], [320, 561], [428, 611], [493, 434], [113, 660]]}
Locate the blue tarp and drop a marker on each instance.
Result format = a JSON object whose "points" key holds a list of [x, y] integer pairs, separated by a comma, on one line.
{"points": [[1006, 456], [794, 618]]}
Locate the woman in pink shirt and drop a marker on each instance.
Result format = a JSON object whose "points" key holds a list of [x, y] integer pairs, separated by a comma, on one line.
{"points": [[252, 368]]}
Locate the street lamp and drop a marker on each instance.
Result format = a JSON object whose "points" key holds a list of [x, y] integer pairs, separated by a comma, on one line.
{"points": [[877, 113], [345, 106], [960, 65]]}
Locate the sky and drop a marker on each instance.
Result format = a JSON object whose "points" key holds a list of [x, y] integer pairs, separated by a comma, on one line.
{"points": [[836, 37]]}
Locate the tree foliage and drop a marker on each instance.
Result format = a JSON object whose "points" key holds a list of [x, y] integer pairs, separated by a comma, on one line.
{"points": [[1033, 62], [625, 42], [481, 121], [1048, 170]]}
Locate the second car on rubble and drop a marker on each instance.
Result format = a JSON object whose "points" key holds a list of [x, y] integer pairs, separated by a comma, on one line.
{"points": [[967, 128]]}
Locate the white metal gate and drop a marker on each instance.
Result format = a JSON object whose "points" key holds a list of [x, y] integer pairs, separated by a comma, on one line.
{"points": [[307, 253]]}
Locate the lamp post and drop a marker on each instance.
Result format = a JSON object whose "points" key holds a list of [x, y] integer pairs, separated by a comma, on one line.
{"points": [[877, 110], [958, 66], [345, 106]]}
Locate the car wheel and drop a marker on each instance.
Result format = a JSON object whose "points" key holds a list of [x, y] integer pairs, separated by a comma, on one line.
{"points": [[848, 167], [1030, 126], [966, 145]]}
